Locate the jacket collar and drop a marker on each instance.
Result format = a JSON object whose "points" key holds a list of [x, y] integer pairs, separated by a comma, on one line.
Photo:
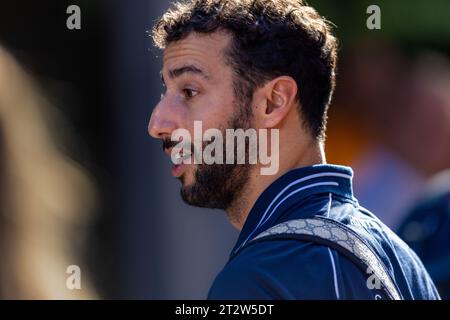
{"points": [[293, 187]]}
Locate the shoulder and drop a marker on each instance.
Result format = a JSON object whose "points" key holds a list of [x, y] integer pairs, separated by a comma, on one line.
{"points": [[289, 269], [406, 269]]}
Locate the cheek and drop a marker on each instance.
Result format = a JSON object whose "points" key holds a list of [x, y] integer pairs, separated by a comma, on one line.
{"points": [[215, 111]]}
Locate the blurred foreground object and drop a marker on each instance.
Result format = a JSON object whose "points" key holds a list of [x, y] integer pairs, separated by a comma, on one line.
{"points": [[46, 197]]}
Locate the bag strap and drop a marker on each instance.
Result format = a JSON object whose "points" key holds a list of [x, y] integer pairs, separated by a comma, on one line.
{"points": [[337, 236]]}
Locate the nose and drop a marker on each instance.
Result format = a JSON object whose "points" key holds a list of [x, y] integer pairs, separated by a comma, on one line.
{"points": [[162, 122]]}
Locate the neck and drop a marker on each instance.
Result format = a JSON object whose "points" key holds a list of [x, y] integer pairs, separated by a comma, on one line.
{"points": [[240, 209]]}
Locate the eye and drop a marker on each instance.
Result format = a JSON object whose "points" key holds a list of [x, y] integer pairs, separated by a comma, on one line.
{"points": [[189, 93]]}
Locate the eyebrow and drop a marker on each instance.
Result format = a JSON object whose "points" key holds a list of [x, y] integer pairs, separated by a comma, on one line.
{"points": [[177, 72]]}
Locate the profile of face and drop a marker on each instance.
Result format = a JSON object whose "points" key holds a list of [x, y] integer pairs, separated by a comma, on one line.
{"points": [[200, 86]]}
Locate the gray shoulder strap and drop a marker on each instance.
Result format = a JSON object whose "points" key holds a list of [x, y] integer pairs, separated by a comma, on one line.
{"points": [[339, 236]]}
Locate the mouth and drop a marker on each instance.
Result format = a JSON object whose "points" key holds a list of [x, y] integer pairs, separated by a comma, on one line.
{"points": [[178, 170], [179, 167]]}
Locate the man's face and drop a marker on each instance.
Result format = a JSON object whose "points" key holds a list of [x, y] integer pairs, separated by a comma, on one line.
{"points": [[199, 87]]}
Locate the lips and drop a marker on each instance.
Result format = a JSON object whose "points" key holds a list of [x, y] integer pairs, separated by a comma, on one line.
{"points": [[179, 166], [178, 170]]}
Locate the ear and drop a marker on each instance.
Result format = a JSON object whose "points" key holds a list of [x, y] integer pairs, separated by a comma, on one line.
{"points": [[275, 100]]}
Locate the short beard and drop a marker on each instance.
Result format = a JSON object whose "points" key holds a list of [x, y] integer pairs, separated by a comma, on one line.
{"points": [[218, 186]]}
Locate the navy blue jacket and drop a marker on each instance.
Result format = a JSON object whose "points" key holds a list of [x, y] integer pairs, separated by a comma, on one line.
{"points": [[292, 269]]}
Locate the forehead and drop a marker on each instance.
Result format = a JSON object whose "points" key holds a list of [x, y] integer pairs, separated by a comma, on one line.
{"points": [[205, 51]]}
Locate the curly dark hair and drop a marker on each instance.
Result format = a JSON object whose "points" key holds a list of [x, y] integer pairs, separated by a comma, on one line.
{"points": [[270, 38]]}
